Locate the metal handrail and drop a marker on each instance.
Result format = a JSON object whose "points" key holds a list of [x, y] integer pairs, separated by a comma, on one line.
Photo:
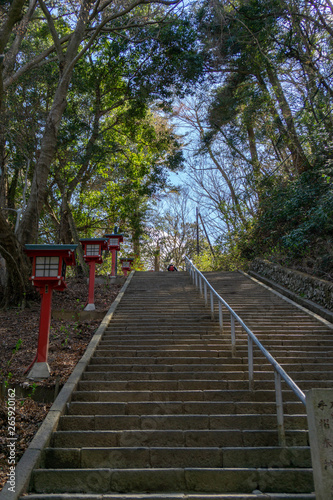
{"points": [[279, 373]]}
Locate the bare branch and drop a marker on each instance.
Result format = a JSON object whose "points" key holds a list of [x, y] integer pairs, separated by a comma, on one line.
{"points": [[53, 31], [33, 63]]}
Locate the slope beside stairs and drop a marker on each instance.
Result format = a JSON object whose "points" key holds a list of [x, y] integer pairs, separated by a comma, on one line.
{"points": [[163, 411]]}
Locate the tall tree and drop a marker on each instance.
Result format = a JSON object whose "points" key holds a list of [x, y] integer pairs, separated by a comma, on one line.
{"points": [[66, 34]]}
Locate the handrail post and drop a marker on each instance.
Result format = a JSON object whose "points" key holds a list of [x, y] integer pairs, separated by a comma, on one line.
{"points": [[220, 316], [233, 336], [211, 305], [250, 359], [279, 409], [205, 290], [200, 283], [196, 279]]}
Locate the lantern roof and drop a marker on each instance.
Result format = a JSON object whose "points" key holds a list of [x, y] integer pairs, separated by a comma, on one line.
{"points": [[113, 235], [92, 239], [120, 236], [51, 247], [65, 251]]}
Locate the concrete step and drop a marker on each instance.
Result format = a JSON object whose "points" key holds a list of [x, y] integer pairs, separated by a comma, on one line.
{"points": [[170, 385], [185, 328], [179, 422], [120, 342], [216, 344], [193, 385], [171, 496], [181, 395], [222, 360], [212, 480], [270, 325], [176, 438], [156, 353], [204, 336], [202, 367], [232, 376], [309, 351], [169, 360], [151, 457], [163, 410], [165, 376], [180, 408]]}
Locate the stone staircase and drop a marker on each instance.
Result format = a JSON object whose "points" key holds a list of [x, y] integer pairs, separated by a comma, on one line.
{"points": [[164, 411]]}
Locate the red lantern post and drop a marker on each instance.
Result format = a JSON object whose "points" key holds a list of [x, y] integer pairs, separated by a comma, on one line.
{"points": [[126, 265], [92, 248], [48, 273], [114, 241]]}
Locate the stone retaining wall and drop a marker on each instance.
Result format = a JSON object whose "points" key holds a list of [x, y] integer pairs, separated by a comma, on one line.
{"points": [[308, 287]]}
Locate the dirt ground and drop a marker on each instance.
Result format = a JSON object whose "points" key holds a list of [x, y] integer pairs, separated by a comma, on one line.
{"points": [[18, 342]]}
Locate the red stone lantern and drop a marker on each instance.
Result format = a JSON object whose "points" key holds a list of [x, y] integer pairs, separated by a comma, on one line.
{"points": [[92, 248], [126, 264], [114, 241], [49, 264]]}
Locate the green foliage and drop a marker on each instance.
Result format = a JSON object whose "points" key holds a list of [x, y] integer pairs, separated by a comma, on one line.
{"points": [[205, 261], [296, 217], [7, 380], [227, 257], [33, 388], [9, 375]]}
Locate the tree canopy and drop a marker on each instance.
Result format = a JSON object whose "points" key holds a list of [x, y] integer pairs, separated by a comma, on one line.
{"points": [[87, 93], [84, 141]]}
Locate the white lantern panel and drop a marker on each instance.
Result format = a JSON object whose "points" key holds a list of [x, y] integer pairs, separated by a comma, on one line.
{"points": [[126, 263], [93, 250], [114, 241], [47, 266]]}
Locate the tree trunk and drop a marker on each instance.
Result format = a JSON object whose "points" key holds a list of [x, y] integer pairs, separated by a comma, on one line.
{"points": [[84, 268], [300, 161], [314, 78], [65, 233], [68, 234], [253, 149], [28, 229], [17, 270], [14, 15], [254, 159], [157, 257], [136, 244]]}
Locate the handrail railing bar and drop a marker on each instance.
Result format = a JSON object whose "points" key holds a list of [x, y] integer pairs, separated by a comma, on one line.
{"points": [[299, 393]]}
